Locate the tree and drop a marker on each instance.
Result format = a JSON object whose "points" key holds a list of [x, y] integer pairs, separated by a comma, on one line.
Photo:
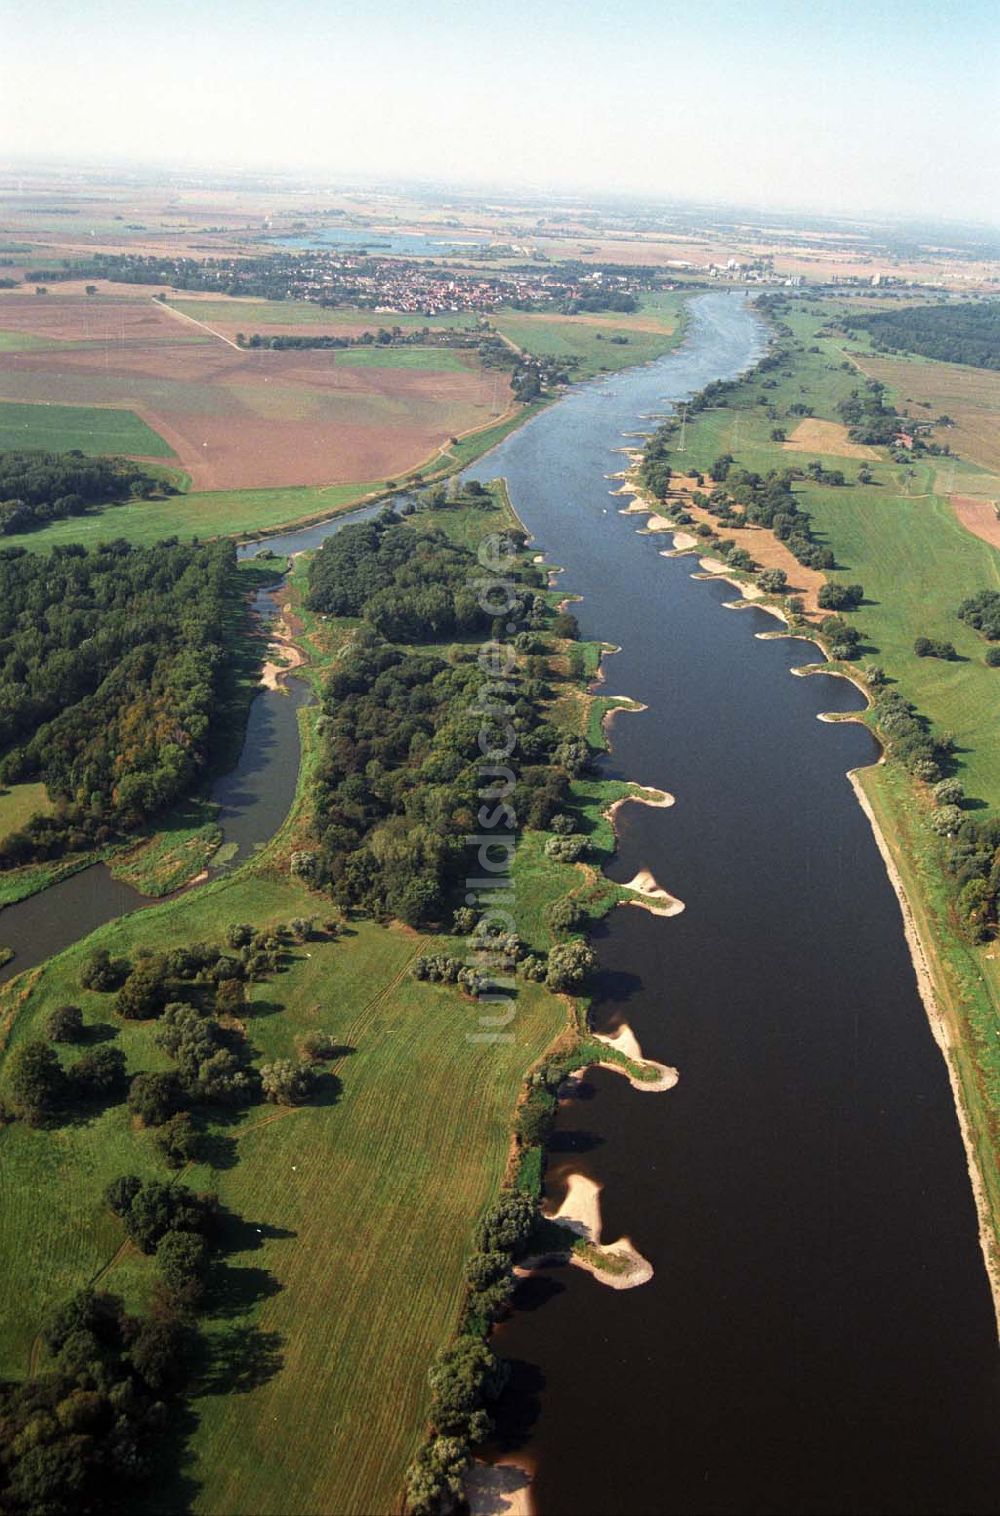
{"points": [[569, 965], [773, 581], [320, 1047], [177, 1140], [434, 1481], [158, 1354], [65, 1024], [285, 1082], [464, 1379], [100, 1074], [144, 993], [154, 1208], [508, 1223], [154, 1098], [182, 1258], [101, 972], [840, 597], [36, 1080]]}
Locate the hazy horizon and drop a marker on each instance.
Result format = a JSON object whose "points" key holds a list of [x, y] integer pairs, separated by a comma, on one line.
{"points": [[883, 111]]}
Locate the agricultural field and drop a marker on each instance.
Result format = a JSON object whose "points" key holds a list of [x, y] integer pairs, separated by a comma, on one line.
{"points": [[296, 318], [90, 429], [233, 420], [590, 336], [970, 396]]}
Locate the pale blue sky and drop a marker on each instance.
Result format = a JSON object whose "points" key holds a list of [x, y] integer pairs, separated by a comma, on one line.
{"points": [[876, 106]]}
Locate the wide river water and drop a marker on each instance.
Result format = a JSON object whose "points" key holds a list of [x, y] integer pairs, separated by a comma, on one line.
{"points": [[819, 1334]]}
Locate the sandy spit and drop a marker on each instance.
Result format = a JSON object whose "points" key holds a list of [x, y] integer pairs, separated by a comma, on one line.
{"points": [[645, 884], [581, 1213], [944, 1036], [625, 1041], [658, 799]]}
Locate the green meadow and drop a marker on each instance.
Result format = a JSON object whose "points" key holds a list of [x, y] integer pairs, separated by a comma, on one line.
{"points": [[89, 429]]}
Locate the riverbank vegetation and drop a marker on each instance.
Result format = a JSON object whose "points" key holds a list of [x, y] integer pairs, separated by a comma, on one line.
{"points": [[912, 634]]}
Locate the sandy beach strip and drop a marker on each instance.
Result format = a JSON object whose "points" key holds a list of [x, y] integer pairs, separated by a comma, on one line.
{"points": [[499, 1488]]}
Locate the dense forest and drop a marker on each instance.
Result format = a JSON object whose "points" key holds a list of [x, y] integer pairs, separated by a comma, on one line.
{"points": [[967, 333], [112, 664], [38, 487], [399, 781]]}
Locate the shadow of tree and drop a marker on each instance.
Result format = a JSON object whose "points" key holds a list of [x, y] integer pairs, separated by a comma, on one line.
{"points": [[239, 1359], [232, 1289]]}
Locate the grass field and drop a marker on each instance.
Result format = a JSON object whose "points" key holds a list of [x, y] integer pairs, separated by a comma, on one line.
{"points": [[216, 513], [648, 333], [437, 359], [272, 316], [19, 803], [90, 429]]}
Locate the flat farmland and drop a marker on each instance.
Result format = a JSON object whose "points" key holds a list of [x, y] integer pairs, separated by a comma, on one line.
{"points": [[970, 396], [292, 318], [90, 429], [241, 420]]}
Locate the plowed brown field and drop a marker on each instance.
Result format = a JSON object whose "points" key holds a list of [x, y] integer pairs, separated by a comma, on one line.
{"points": [[240, 419]]}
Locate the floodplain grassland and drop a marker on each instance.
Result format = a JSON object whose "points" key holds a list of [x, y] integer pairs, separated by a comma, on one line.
{"points": [[901, 539], [601, 341], [20, 802]]}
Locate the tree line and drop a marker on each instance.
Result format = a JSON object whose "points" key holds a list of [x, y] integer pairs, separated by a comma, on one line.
{"points": [[37, 487], [968, 332]]}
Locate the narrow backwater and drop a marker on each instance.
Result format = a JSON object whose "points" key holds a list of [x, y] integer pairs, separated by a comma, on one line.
{"points": [[819, 1334], [253, 799]]}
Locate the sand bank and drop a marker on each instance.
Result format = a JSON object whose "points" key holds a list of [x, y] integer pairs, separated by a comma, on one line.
{"points": [[625, 1041], [285, 655], [644, 884], [658, 799], [580, 1212], [684, 542]]}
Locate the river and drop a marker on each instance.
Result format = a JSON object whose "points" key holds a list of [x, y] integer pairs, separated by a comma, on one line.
{"points": [[819, 1334]]}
